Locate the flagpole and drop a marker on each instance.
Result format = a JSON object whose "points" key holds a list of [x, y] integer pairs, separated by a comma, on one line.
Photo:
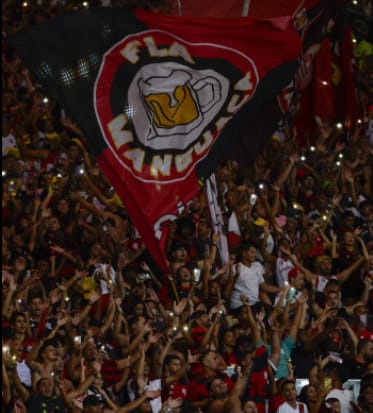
{"points": [[180, 7], [173, 286], [245, 8]]}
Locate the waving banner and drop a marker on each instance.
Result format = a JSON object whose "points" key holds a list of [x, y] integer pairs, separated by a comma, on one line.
{"points": [[158, 97]]}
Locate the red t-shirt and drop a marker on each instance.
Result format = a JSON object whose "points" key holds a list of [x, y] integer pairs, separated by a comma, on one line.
{"points": [[174, 391], [258, 391], [198, 386]]}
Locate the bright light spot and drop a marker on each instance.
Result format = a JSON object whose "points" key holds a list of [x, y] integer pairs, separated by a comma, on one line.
{"points": [[129, 110], [67, 76], [85, 4], [340, 155], [354, 40], [312, 148], [83, 68], [324, 82], [339, 125]]}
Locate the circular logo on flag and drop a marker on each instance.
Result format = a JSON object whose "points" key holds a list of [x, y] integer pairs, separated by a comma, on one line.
{"points": [[161, 102]]}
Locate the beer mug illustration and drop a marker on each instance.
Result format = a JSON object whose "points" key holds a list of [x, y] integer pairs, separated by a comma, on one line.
{"points": [[174, 103]]}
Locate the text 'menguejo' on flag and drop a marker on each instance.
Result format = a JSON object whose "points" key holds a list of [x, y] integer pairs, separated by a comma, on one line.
{"points": [[158, 97]]}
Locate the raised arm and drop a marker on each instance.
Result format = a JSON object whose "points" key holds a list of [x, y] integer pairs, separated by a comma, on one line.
{"points": [[253, 324]]}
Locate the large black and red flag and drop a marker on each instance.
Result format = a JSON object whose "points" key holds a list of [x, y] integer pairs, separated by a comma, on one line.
{"points": [[159, 97]]}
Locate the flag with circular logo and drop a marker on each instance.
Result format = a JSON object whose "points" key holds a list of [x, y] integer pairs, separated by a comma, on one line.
{"points": [[160, 98]]}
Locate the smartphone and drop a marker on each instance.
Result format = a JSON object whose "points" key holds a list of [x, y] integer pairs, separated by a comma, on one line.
{"points": [[291, 294], [230, 370], [196, 274], [253, 199], [144, 276], [174, 333], [11, 186], [78, 339], [22, 305], [159, 325]]}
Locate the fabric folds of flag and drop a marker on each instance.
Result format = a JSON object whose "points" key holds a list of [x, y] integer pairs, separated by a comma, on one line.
{"points": [[158, 97]]}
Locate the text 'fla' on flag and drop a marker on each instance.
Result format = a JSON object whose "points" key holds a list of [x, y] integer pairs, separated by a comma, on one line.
{"points": [[159, 97]]}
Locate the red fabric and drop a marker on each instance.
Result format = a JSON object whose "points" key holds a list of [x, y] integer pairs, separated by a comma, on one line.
{"points": [[317, 249], [229, 358], [198, 386], [268, 43], [233, 239], [40, 330], [323, 92], [258, 391], [233, 8], [275, 401], [366, 334], [103, 303], [5, 214], [174, 391], [110, 372], [352, 110]]}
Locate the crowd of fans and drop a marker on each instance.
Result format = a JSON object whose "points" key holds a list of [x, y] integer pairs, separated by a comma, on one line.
{"points": [[89, 324]]}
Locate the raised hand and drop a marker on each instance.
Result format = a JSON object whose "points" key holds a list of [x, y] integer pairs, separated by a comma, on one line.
{"points": [[180, 306], [152, 394], [244, 300]]}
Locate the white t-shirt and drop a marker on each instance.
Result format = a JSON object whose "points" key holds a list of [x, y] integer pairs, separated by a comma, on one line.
{"points": [[282, 270], [24, 373], [345, 397], [247, 284], [286, 408]]}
